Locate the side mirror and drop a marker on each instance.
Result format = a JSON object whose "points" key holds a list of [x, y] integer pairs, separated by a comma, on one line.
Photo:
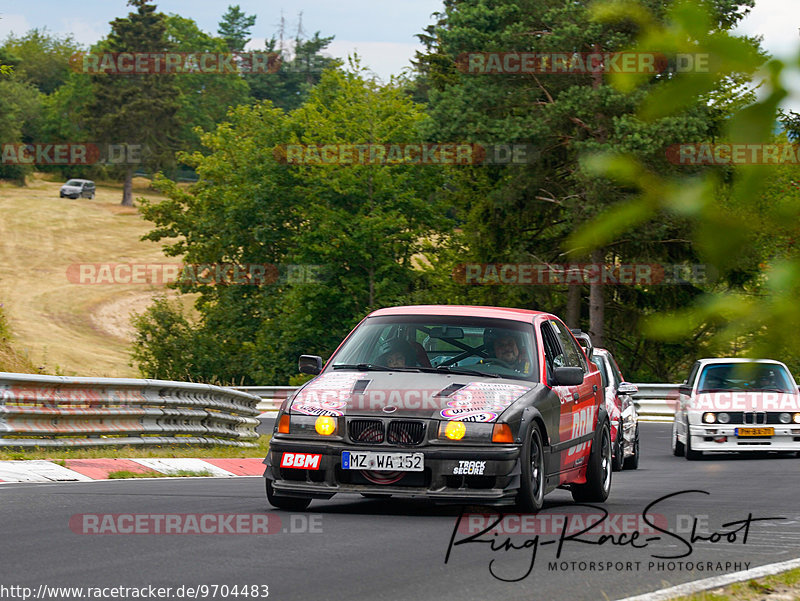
{"points": [[567, 376], [685, 389], [309, 364], [627, 388]]}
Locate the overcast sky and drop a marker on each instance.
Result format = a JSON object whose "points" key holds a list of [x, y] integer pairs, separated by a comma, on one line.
{"points": [[381, 31]]}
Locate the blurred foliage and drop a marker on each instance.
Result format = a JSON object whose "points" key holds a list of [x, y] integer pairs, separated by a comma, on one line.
{"points": [[526, 213], [744, 219]]}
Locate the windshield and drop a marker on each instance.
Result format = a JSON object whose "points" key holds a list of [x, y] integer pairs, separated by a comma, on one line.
{"points": [[469, 345], [74, 182], [745, 376]]}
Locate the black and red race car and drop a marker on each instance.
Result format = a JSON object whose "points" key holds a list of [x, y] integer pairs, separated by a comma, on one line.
{"points": [[449, 403]]}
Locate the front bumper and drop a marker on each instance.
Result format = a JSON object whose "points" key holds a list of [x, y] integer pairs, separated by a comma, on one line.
{"points": [[724, 438], [497, 484]]}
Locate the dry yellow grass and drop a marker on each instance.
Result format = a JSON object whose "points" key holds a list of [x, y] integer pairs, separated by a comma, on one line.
{"points": [[68, 328], [781, 587]]}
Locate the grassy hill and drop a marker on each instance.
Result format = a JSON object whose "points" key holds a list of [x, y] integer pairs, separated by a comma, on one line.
{"points": [[70, 328], [10, 359]]}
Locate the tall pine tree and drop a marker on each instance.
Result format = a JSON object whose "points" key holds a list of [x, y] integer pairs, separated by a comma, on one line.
{"points": [[137, 109]]}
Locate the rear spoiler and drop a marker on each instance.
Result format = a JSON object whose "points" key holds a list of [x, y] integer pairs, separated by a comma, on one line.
{"points": [[584, 340]]}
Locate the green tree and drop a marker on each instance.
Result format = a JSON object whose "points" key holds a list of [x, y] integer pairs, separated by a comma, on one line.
{"points": [[361, 223], [205, 98], [137, 109], [300, 70], [525, 213], [43, 58], [18, 118], [235, 27]]}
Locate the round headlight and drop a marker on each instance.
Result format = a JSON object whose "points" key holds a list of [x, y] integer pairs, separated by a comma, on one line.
{"points": [[709, 418], [796, 418], [724, 418], [325, 425], [455, 430], [785, 418]]}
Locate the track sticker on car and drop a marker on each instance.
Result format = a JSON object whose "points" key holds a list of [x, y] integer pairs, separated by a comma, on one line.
{"points": [[582, 423], [326, 394], [306, 461], [469, 468], [481, 401]]}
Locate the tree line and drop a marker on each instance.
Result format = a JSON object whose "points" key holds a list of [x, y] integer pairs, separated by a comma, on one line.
{"points": [[598, 185]]}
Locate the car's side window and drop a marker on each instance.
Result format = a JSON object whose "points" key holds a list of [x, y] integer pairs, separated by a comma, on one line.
{"points": [[616, 376], [599, 363], [693, 373], [573, 357], [552, 352]]}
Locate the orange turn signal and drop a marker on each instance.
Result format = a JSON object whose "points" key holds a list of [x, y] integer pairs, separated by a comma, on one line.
{"points": [[502, 433], [283, 425]]}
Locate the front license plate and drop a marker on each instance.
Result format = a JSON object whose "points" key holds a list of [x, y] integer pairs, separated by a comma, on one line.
{"points": [[755, 431], [383, 462]]}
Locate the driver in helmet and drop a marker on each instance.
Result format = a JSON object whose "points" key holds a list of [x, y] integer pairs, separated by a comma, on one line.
{"points": [[504, 346]]}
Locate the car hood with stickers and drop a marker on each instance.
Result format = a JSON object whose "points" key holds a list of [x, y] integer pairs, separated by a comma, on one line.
{"points": [[421, 395]]}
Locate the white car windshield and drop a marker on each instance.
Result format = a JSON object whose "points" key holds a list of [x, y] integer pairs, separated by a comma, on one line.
{"points": [[746, 377], [74, 182]]}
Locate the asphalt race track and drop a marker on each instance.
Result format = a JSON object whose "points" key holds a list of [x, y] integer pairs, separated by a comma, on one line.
{"points": [[355, 548]]}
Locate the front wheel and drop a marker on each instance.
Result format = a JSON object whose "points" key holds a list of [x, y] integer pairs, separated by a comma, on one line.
{"points": [[288, 503], [619, 450], [598, 473], [691, 454], [531, 491], [677, 446]]}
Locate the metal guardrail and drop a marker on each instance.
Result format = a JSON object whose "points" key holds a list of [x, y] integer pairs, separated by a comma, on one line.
{"points": [[57, 411], [656, 402], [653, 401], [271, 396]]}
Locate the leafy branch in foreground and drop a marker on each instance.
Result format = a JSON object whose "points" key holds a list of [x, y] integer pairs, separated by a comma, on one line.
{"points": [[744, 216]]}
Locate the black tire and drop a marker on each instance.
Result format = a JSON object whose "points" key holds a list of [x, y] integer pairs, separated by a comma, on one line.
{"points": [[632, 462], [287, 503], [61, 196], [691, 454], [678, 449], [530, 498], [618, 455], [598, 473]]}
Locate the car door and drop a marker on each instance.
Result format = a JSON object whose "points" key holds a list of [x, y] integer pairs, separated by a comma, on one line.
{"points": [[583, 410], [573, 423]]}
